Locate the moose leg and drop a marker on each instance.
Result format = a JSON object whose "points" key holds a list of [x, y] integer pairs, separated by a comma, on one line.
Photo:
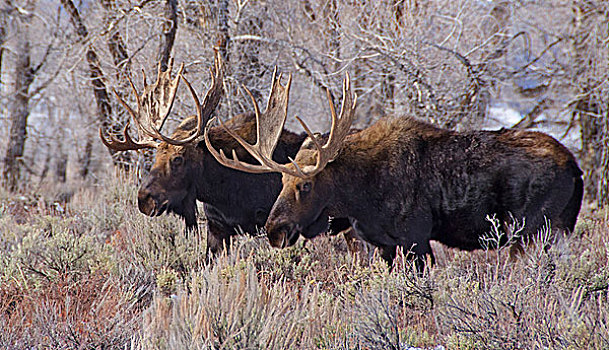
{"points": [[191, 224], [423, 256], [354, 243], [218, 239], [545, 208], [388, 254], [420, 253], [188, 211]]}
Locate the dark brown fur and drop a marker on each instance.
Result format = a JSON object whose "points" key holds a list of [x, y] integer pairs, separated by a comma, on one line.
{"points": [[403, 182], [233, 201]]}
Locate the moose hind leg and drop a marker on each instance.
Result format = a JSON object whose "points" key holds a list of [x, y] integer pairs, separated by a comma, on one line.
{"points": [[546, 209], [570, 213]]}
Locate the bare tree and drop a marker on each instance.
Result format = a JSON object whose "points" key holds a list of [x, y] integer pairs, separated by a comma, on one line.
{"points": [[122, 63], [223, 39], [591, 107], [445, 61], [170, 27], [246, 54], [3, 24], [19, 110], [104, 108], [116, 44]]}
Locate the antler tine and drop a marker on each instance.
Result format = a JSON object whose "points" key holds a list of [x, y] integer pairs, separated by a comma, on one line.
{"points": [[143, 131], [167, 90], [233, 163], [210, 102], [199, 126], [309, 133], [128, 143], [167, 101], [269, 126], [333, 117], [339, 129], [271, 123], [252, 149], [215, 91], [155, 103]]}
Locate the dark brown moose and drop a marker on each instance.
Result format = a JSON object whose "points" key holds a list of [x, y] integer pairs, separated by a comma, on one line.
{"points": [[184, 171], [403, 182]]}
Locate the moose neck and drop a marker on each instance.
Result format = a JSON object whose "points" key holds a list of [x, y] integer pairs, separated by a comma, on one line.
{"points": [[367, 159]]}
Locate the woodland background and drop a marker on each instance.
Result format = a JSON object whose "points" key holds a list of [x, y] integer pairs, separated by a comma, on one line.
{"points": [[459, 64], [81, 268]]}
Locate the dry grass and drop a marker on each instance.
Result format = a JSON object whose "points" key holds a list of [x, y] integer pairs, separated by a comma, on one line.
{"points": [[95, 273]]}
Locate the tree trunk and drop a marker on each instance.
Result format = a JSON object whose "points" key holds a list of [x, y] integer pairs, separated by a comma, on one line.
{"points": [[603, 182], [102, 102], [120, 57], [170, 27], [61, 163], [334, 31], [116, 44], [19, 108], [223, 37], [45, 166], [3, 23], [590, 110], [2, 38], [85, 159]]}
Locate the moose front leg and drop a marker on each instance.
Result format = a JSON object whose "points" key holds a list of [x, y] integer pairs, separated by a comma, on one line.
{"points": [[218, 239], [416, 253]]}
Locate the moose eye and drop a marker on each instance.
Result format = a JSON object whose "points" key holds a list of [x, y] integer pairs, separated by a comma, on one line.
{"points": [[177, 160], [305, 187]]}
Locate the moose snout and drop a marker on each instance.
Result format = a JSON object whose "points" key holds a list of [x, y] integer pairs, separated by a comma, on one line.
{"points": [[145, 202], [281, 234]]}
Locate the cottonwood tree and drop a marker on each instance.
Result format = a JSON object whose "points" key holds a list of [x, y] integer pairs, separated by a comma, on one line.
{"points": [[170, 28], [24, 74], [591, 103], [102, 101], [106, 108], [3, 23]]}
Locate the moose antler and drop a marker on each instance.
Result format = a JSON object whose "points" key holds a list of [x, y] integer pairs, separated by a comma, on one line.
{"points": [[269, 127], [155, 103], [210, 102]]}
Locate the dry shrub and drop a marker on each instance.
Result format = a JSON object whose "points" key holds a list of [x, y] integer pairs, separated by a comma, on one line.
{"points": [[228, 307], [92, 312], [101, 275], [60, 286], [549, 298]]}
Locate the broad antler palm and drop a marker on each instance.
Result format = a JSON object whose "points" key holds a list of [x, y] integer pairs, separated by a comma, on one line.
{"points": [[269, 127], [154, 106]]}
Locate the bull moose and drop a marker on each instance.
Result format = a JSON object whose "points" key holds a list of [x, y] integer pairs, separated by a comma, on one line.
{"points": [[184, 171], [403, 182]]}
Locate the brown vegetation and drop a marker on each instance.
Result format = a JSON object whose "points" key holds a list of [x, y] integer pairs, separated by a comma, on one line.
{"points": [[98, 274]]}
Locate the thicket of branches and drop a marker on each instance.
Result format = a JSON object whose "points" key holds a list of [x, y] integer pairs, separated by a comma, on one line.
{"points": [[444, 61]]}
